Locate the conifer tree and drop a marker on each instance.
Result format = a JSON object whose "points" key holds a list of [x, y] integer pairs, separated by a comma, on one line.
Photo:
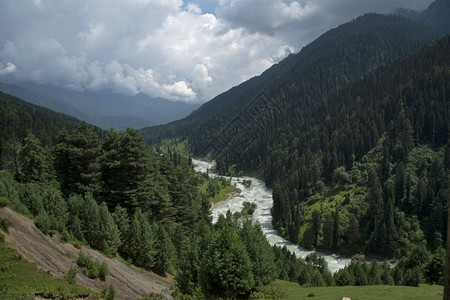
{"points": [[327, 232], [336, 229], [34, 162], [77, 161], [140, 246], [109, 234], [122, 221], [91, 221], [226, 270], [260, 253], [165, 253]]}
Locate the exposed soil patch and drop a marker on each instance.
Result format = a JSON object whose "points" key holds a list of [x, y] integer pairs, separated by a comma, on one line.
{"points": [[49, 254]]}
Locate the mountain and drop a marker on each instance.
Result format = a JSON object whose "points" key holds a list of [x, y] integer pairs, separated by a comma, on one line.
{"points": [[337, 58], [436, 16], [104, 109], [18, 118], [351, 133], [377, 154]]}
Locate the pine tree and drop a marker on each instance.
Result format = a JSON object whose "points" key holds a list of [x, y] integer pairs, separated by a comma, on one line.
{"points": [[122, 221], [375, 211], [189, 265], [34, 162], [226, 270], [84, 153], [140, 245], [352, 233], [336, 229], [260, 253], [77, 161], [165, 253], [55, 206], [327, 232], [91, 221], [109, 233]]}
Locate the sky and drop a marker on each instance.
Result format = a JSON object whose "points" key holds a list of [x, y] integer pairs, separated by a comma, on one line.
{"points": [[180, 50]]}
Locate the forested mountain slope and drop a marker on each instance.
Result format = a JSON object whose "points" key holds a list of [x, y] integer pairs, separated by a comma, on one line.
{"points": [[18, 119], [337, 58], [372, 161], [353, 141], [436, 16], [105, 109]]}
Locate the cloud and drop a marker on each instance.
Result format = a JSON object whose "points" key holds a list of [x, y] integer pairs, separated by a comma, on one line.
{"points": [[299, 22], [163, 48], [8, 69]]}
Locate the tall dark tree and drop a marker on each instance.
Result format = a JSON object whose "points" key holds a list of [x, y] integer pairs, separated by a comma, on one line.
{"points": [[140, 245], [336, 229], [78, 161], [260, 253], [34, 161], [109, 234], [375, 211], [226, 270], [327, 232]]}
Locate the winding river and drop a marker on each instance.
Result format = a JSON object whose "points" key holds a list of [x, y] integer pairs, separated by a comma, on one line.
{"points": [[260, 194]]}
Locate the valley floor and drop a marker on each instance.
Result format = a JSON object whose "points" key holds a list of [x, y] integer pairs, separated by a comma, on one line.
{"points": [[373, 292]]}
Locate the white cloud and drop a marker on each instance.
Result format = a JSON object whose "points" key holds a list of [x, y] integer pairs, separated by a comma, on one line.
{"points": [[8, 69], [164, 48]]}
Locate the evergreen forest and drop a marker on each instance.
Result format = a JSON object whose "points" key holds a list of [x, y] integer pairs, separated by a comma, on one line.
{"points": [[352, 134]]}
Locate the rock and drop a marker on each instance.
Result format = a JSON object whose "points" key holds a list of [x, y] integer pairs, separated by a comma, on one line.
{"points": [[359, 257], [129, 282]]}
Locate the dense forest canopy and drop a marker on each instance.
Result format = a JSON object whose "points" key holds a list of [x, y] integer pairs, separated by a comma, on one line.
{"points": [[352, 134], [338, 57]]}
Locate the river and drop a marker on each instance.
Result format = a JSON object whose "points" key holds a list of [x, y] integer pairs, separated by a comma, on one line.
{"points": [[260, 194]]}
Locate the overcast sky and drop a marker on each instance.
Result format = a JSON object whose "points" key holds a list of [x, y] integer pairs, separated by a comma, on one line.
{"points": [[178, 50]]}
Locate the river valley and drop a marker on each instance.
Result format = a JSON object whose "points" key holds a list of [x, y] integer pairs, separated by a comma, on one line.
{"points": [[261, 195]]}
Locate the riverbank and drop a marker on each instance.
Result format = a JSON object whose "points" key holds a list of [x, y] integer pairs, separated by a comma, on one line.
{"points": [[259, 194], [229, 196]]}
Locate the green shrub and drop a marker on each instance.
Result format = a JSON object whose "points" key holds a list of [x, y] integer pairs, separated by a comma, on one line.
{"points": [[93, 268], [268, 292], [153, 296], [109, 292], [4, 224], [70, 276], [4, 201], [103, 271], [82, 260], [43, 222]]}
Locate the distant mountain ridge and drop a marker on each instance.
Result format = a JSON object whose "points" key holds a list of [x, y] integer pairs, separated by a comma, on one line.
{"points": [[338, 57], [436, 16], [18, 118], [351, 133], [104, 109]]}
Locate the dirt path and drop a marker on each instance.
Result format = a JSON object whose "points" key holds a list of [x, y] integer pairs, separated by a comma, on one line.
{"points": [[129, 282]]}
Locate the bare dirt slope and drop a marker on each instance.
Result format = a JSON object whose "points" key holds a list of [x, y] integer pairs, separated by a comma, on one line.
{"points": [[129, 282]]}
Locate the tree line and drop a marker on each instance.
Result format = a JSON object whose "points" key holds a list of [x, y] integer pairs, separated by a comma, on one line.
{"points": [[119, 196]]}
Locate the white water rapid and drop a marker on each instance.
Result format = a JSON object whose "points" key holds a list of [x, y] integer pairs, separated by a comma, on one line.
{"points": [[260, 194]]}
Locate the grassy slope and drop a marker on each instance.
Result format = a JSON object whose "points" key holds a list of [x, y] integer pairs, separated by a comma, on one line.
{"points": [[19, 277], [177, 145], [375, 292]]}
